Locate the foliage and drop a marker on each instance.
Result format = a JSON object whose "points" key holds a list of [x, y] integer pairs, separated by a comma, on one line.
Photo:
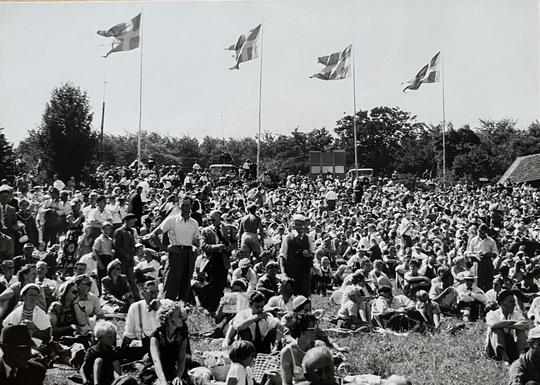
{"points": [[7, 158], [388, 139], [65, 141], [380, 133]]}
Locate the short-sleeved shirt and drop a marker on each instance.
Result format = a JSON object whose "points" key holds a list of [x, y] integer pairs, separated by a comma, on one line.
{"points": [[103, 245], [181, 232], [495, 316], [109, 355]]}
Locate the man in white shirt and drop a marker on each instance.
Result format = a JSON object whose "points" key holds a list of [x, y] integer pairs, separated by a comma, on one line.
{"points": [[183, 232], [507, 329], [396, 312], [470, 298], [98, 216], [484, 249], [245, 271], [141, 321], [255, 325]]}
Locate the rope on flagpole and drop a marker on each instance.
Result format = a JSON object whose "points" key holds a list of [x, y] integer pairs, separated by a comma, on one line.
{"points": [[260, 105], [444, 125], [140, 96], [354, 111]]}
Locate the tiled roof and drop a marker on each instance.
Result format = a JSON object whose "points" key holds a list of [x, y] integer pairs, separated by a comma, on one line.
{"points": [[524, 169]]}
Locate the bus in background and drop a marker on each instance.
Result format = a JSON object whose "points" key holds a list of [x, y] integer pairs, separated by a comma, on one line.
{"points": [[362, 173]]}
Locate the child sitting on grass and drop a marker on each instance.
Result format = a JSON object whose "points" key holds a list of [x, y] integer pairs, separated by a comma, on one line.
{"points": [[354, 312], [242, 355], [101, 360]]}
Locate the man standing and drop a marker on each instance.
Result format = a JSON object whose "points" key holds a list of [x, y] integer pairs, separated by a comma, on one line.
{"points": [[50, 215], [124, 247], [484, 249], [183, 233], [296, 257], [216, 243], [136, 204], [8, 218], [248, 231]]}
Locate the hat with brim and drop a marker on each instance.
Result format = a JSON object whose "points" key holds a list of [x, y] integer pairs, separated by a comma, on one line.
{"points": [[244, 262], [5, 188], [467, 275], [129, 216], [16, 336], [105, 224], [299, 218], [298, 302], [30, 286]]}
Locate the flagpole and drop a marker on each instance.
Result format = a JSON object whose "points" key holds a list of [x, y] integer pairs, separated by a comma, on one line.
{"points": [[140, 97], [260, 104], [354, 111], [102, 123], [444, 125]]}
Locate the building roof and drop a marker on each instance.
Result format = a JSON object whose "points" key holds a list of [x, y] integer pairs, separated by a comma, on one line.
{"points": [[524, 169]]}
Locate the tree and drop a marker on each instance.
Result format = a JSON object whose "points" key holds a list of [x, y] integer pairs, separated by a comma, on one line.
{"points": [[380, 133], [7, 157], [67, 144]]}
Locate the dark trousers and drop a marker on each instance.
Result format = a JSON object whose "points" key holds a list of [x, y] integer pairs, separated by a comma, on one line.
{"points": [[299, 269], [102, 271], [211, 294], [50, 234], [178, 273]]}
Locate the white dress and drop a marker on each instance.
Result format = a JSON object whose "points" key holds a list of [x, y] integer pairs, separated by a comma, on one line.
{"points": [[242, 374]]}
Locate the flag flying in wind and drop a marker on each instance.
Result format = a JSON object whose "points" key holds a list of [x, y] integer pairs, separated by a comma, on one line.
{"points": [[429, 74], [246, 48], [336, 65], [126, 35]]}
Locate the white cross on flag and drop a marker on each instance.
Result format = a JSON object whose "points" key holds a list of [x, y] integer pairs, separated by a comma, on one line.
{"points": [[428, 74], [246, 48], [336, 65], [126, 35]]}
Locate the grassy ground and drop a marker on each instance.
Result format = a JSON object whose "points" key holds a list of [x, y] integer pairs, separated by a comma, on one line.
{"points": [[437, 359]]}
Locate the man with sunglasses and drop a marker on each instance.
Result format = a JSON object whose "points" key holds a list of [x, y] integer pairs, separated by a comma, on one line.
{"points": [[141, 321]]}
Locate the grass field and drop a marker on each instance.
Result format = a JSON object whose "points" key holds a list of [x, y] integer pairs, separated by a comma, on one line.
{"points": [[433, 359]]}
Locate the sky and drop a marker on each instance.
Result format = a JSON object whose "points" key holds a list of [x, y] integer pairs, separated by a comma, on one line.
{"points": [[490, 58]]}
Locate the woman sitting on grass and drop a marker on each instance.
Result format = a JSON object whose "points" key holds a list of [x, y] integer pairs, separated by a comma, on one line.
{"points": [[169, 344], [115, 287], [303, 328]]}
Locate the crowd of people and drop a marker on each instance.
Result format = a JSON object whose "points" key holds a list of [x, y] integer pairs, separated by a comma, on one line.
{"points": [[149, 245]]}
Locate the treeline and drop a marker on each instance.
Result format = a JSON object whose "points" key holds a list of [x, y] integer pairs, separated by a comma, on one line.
{"points": [[388, 139]]}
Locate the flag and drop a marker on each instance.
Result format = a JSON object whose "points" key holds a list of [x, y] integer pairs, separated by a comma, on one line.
{"points": [[126, 35], [429, 74], [246, 47], [336, 65]]}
